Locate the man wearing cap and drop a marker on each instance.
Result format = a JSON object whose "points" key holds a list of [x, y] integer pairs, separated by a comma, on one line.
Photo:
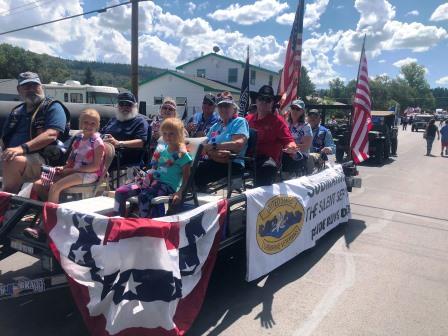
{"points": [[200, 123], [30, 128], [322, 138], [228, 135], [128, 130], [273, 136]]}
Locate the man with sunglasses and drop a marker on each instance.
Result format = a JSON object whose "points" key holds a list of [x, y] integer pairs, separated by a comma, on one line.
{"points": [[273, 136], [200, 123], [128, 130]]}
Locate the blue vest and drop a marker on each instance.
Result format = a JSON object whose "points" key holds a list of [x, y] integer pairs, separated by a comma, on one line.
{"points": [[319, 139]]}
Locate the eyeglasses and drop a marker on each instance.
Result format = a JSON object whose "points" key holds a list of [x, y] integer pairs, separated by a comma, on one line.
{"points": [[125, 104], [266, 99]]}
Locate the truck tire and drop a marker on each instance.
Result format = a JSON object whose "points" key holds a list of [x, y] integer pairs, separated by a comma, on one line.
{"points": [[379, 155], [387, 150]]}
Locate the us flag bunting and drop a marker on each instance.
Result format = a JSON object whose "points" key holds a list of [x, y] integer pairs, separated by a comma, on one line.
{"points": [[289, 80], [137, 276], [361, 121]]}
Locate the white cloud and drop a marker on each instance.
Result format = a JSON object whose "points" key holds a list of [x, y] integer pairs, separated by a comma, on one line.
{"points": [[413, 13], [442, 81], [441, 13], [382, 61], [374, 14], [259, 11], [313, 11], [384, 33], [322, 72], [404, 61], [191, 7]]}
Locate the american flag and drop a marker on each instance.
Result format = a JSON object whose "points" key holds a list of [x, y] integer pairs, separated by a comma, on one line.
{"points": [[289, 79], [47, 175], [137, 276], [361, 121]]}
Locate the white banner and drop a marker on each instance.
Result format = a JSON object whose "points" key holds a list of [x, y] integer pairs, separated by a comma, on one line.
{"points": [[286, 219]]}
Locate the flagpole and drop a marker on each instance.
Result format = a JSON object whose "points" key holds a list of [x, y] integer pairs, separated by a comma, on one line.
{"points": [[301, 15], [354, 97]]}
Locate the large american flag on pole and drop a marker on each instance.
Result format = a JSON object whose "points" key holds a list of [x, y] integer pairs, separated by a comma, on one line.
{"points": [[289, 80], [362, 105], [137, 276]]}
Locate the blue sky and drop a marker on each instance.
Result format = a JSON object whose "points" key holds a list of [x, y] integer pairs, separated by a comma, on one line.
{"points": [[174, 32]]}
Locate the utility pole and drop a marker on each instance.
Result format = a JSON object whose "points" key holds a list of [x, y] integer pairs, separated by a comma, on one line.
{"points": [[134, 48]]}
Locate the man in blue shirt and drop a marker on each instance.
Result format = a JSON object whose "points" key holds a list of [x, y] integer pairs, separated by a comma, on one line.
{"points": [[128, 131], [322, 138], [201, 122], [29, 129]]}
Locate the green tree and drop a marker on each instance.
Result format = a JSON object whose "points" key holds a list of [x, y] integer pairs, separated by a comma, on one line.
{"points": [[441, 97], [337, 89], [306, 86], [414, 74], [88, 76]]}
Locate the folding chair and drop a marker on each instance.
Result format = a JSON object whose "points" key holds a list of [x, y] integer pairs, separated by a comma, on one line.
{"points": [[194, 147], [98, 187]]}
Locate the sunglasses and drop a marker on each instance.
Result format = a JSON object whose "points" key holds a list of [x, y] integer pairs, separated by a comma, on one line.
{"points": [[125, 104], [266, 99], [167, 108]]}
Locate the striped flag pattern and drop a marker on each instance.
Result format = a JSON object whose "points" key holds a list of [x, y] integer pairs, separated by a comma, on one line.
{"points": [[362, 105], [289, 79], [47, 175]]}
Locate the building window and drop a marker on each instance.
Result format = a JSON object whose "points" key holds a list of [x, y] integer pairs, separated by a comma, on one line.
{"points": [[253, 76], [233, 75], [76, 98], [200, 73], [158, 100], [180, 101], [271, 79], [66, 97]]}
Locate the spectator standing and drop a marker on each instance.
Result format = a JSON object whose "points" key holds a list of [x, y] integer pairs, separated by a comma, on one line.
{"points": [[430, 135], [444, 133]]}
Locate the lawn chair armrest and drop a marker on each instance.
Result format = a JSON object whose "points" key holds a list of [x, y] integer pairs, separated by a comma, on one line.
{"points": [[162, 199]]}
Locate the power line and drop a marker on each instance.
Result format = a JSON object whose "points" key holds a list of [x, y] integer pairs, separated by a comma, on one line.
{"points": [[101, 10], [21, 6], [36, 4]]}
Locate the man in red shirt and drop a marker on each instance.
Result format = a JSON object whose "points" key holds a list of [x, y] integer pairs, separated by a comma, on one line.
{"points": [[273, 136]]}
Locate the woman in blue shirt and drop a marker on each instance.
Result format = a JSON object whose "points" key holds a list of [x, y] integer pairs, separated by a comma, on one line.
{"points": [[229, 135]]}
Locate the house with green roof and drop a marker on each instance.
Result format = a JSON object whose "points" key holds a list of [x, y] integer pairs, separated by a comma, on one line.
{"points": [[182, 87], [230, 71]]}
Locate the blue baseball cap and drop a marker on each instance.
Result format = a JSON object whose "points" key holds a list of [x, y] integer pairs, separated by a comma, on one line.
{"points": [[28, 77], [126, 97]]}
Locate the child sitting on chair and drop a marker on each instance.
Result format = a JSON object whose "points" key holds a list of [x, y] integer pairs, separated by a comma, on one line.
{"points": [[168, 174], [85, 163]]}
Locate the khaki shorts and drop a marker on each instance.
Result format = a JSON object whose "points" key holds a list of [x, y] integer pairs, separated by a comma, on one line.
{"points": [[32, 170]]}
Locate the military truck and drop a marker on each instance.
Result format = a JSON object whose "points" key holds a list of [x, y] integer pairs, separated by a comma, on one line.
{"points": [[383, 137], [421, 121]]}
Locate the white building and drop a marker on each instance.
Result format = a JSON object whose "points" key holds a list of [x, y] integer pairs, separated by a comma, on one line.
{"points": [[230, 71], [182, 87]]}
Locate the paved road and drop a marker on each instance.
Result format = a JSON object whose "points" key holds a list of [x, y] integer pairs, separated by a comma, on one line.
{"points": [[385, 273]]}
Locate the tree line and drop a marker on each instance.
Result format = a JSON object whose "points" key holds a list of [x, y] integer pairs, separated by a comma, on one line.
{"points": [[409, 88], [14, 60]]}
